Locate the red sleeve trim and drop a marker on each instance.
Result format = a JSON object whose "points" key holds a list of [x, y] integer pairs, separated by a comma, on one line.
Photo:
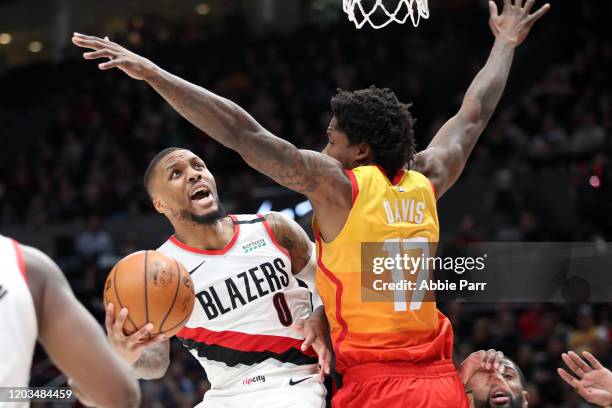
{"points": [[273, 237], [20, 260], [433, 187], [354, 186]]}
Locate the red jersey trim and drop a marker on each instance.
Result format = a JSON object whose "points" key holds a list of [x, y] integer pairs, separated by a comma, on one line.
{"points": [[273, 237], [339, 290], [354, 186], [433, 188], [396, 178], [244, 341], [20, 260], [223, 251]]}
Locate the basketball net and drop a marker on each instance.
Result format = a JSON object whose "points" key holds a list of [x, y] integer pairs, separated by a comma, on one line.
{"points": [[405, 8]]}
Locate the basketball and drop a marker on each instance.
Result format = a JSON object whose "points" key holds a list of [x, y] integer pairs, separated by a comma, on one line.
{"points": [[154, 288]]}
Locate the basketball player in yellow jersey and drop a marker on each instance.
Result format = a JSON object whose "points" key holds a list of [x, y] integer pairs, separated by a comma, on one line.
{"points": [[390, 354]]}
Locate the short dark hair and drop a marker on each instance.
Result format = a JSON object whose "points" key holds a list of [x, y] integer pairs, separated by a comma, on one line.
{"points": [[151, 167], [375, 116], [518, 370]]}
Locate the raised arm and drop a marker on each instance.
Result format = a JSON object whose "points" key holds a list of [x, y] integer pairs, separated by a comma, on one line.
{"points": [[445, 157], [318, 176], [73, 339]]}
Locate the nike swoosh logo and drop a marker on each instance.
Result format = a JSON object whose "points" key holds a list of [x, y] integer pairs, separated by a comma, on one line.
{"points": [[291, 382], [196, 268]]}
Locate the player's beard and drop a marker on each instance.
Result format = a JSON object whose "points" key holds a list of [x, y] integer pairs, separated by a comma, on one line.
{"points": [[205, 219], [515, 402]]}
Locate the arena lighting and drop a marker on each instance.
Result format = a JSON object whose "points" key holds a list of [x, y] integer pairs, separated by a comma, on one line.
{"points": [[300, 209], [202, 9], [35, 46], [265, 206], [288, 212], [303, 208], [594, 182], [5, 38]]}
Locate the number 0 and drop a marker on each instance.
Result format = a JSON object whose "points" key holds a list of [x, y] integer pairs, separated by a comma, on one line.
{"points": [[284, 314]]}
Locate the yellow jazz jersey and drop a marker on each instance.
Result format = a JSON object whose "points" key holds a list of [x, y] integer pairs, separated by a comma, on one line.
{"points": [[394, 217]]}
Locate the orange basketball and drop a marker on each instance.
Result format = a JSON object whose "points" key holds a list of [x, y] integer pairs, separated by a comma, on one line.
{"points": [[154, 288]]}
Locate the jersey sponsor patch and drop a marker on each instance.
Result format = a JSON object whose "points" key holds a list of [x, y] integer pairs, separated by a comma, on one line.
{"points": [[253, 245], [249, 381]]}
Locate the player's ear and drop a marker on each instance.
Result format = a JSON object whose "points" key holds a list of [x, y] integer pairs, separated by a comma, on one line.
{"points": [[525, 399], [158, 204], [363, 153]]}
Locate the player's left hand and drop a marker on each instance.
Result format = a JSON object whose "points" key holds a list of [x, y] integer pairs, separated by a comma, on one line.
{"points": [[515, 22], [480, 360], [594, 382], [313, 329], [127, 61]]}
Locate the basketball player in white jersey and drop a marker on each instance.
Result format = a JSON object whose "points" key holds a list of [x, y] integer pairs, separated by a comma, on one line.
{"points": [[36, 302], [244, 269]]}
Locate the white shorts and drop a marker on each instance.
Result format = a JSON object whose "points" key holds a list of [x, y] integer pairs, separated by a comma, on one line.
{"points": [[305, 394]]}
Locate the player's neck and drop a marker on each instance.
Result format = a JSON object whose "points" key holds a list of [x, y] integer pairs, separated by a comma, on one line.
{"points": [[206, 236]]}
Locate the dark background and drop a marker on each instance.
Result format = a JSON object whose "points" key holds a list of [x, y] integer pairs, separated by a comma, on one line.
{"points": [[74, 142]]}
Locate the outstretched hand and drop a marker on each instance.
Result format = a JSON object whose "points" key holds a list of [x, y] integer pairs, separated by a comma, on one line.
{"points": [[119, 57], [594, 382], [515, 21], [313, 329]]}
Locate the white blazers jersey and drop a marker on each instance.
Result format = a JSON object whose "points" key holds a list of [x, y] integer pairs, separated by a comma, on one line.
{"points": [[247, 299], [18, 324]]}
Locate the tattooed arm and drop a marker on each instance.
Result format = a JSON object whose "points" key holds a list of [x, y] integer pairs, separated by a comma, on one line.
{"points": [[153, 361], [293, 238], [318, 176]]}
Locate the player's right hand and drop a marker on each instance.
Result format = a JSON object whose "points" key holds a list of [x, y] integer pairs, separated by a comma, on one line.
{"points": [[130, 347], [119, 57], [480, 360], [594, 382]]}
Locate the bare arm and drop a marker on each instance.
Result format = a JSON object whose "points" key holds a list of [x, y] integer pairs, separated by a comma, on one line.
{"points": [[153, 362], [445, 157], [318, 176], [293, 238], [74, 340]]}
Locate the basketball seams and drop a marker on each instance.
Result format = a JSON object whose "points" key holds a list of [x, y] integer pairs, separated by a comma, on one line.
{"points": [[116, 269], [177, 325], [178, 283]]}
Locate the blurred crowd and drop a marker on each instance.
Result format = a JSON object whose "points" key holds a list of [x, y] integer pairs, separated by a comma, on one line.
{"points": [[86, 153]]}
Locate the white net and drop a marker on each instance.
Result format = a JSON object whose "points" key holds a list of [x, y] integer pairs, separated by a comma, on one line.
{"points": [[361, 14]]}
